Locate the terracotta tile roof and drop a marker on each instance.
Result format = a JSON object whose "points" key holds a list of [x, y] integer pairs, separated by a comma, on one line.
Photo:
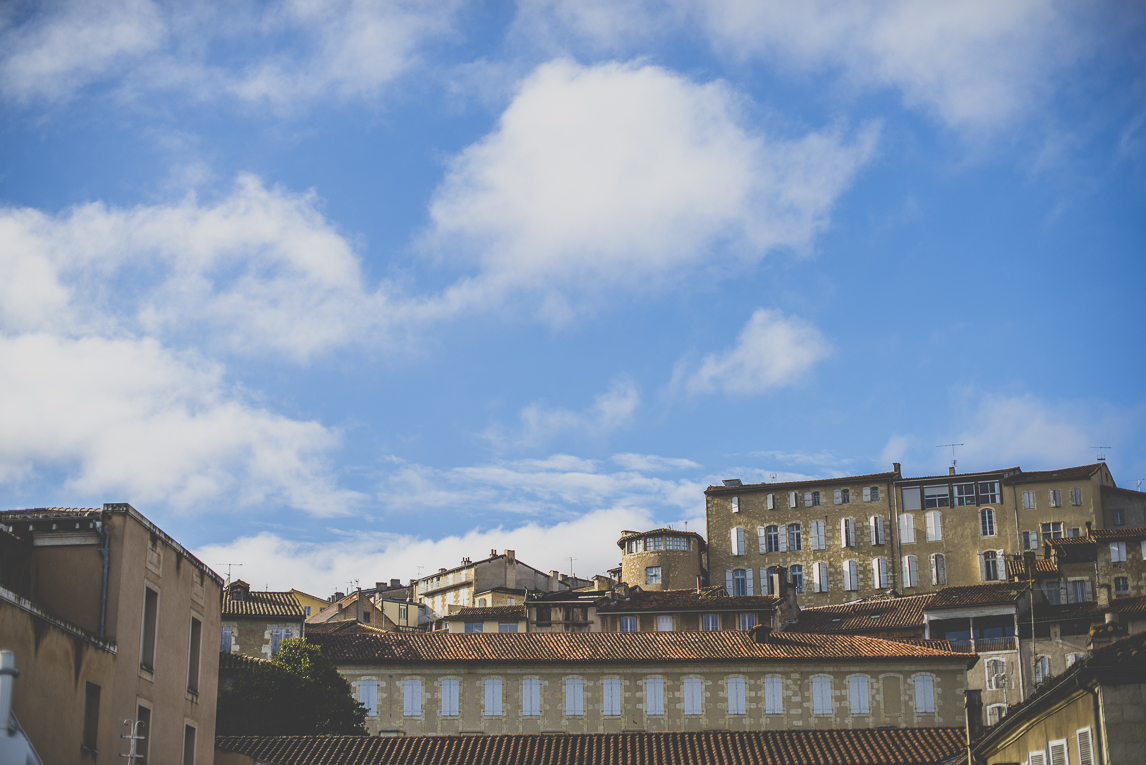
{"points": [[891, 746], [863, 616], [228, 660], [1115, 535], [1089, 609], [957, 478], [709, 599], [49, 513], [605, 647], [478, 613], [1062, 474], [1044, 569], [627, 535], [341, 625], [263, 605], [809, 483], [993, 594]]}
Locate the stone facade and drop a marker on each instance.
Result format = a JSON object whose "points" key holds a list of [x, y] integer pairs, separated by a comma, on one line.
{"points": [[663, 559], [815, 529]]}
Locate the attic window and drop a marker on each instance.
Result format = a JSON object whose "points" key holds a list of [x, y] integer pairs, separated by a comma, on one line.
{"points": [[732, 482], [874, 616], [838, 619]]}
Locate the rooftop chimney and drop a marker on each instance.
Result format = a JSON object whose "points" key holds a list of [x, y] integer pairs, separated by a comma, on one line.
{"points": [[973, 704], [895, 466], [760, 633], [951, 470], [395, 584]]}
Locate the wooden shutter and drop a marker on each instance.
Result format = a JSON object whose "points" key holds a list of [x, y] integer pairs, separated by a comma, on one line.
{"points": [[783, 529], [1058, 753], [770, 503], [748, 577], [838, 497], [1085, 751], [792, 499], [773, 696], [1037, 758], [765, 582], [867, 494], [574, 696], [728, 580], [735, 546], [654, 696], [735, 504]]}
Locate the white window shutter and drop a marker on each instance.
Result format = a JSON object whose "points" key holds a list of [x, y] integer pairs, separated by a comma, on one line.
{"points": [[761, 538], [748, 576], [783, 538], [1085, 751], [871, 530], [938, 525], [1058, 753], [735, 546], [823, 535], [843, 532], [1114, 552], [765, 582], [792, 499], [728, 580], [906, 573], [771, 502], [867, 494], [982, 569], [807, 499], [838, 497], [736, 504]]}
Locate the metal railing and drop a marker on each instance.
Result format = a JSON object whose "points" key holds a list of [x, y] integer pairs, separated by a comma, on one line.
{"points": [[983, 645]]}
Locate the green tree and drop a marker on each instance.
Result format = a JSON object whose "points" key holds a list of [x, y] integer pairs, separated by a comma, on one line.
{"points": [[298, 693]]}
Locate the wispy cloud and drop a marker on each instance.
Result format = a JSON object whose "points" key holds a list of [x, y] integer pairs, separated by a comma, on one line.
{"points": [[609, 411], [772, 351]]}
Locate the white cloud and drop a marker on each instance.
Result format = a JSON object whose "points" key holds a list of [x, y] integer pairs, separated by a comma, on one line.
{"points": [[971, 63], [260, 270], [128, 418], [610, 410], [651, 463], [627, 176], [322, 567], [771, 352], [284, 53]]}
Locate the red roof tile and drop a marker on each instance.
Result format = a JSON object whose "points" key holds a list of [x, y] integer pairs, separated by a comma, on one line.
{"points": [[709, 599], [262, 605], [1045, 568], [1089, 609], [479, 613], [1062, 474], [808, 483], [228, 661], [994, 594], [605, 647], [890, 746], [864, 616], [339, 625]]}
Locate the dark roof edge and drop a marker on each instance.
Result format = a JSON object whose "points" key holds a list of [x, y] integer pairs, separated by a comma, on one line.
{"points": [[891, 476]]}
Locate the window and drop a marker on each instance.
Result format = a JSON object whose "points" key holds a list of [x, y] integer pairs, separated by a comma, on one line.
{"points": [[1028, 500], [735, 504], [90, 740], [1037, 758], [574, 696], [1079, 591], [989, 566], [734, 688], [938, 569], [493, 697], [475, 626], [875, 525], [664, 623], [507, 626], [933, 520], [412, 697], [653, 575], [936, 496], [996, 672], [819, 537], [772, 539], [879, 574], [770, 502], [1042, 668], [1052, 531], [925, 694], [193, 651], [910, 571], [1030, 540], [511, 601], [1053, 592], [403, 612], [1073, 532], [964, 494], [911, 498], [1085, 750], [628, 624], [796, 577], [907, 528], [143, 717], [820, 577], [847, 532], [710, 622], [1076, 497], [1058, 753], [545, 615], [737, 541], [368, 696], [150, 614], [794, 541], [277, 638], [811, 498], [1121, 586], [747, 621], [851, 578], [693, 696], [739, 582], [1074, 658], [1117, 552], [773, 696], [633, 546], [859, 702], [842, 496], [821, 695], [989, 492], [677, 543], [481, 602], [1118, 520], [867, 494], [225, 639], [1055, 498], [450, 697], [654, 696], [995, 712], [987, 522], [766, 587], [530, 697]]}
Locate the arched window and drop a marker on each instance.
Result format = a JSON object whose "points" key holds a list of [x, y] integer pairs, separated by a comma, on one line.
{"points": [[990, 566], [987, 522], [772, 539]]}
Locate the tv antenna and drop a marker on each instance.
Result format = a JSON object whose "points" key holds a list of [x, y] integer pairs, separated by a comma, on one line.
{"points": [[1101, 456], [570, 565], [944, 446], [418, 571], [229, 566]]}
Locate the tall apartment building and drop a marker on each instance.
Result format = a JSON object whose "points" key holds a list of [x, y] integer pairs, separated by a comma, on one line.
{"points": [[834, 536]]}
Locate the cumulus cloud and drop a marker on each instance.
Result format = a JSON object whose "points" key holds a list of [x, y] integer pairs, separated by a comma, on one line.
{"points": [[970, 63], [628, 176], [285, 53], [128, 417], [772, 351]]}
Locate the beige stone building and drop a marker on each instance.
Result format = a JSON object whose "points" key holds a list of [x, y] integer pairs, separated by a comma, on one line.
{"points": [[708, 609], [499, 580], [487, 619], [663, 559], [111, 620], [593, 682], [834, 536], [254, 623]]}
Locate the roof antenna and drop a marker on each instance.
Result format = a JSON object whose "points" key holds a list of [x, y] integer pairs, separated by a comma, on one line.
{"points": [[570, 565], [229, 565], [1101, 456], [954, 463]]}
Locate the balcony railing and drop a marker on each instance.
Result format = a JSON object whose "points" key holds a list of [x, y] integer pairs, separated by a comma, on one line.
{"points": [[983, 645]]}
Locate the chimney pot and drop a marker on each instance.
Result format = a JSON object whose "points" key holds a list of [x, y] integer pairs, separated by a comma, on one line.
{"points": [[951, 470], [395, 584], [895, 466]]}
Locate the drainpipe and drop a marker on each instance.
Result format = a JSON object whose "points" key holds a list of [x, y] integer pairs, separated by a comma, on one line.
{"points": [[105, 554], [893, 505]]}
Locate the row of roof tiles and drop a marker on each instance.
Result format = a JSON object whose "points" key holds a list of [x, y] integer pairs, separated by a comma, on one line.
{"points": [[262, 604], [904, 746], [1012, 475], [610, 647]]}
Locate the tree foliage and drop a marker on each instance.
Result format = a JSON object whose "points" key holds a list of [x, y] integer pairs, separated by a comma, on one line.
{"points": [[298, 693]]}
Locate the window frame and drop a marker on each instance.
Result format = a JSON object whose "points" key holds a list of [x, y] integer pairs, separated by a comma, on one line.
{"points": [[652, 574], [530, 697], [924, 702], [987, 526], [736, 696], [821, 686], [693, 690], [654, 702], [575, 692], [863, 695], [412, 697], [449, 701], [493, 698]]}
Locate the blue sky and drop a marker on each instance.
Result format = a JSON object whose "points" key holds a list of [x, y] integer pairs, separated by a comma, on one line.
{"points": [[341, 290]]}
